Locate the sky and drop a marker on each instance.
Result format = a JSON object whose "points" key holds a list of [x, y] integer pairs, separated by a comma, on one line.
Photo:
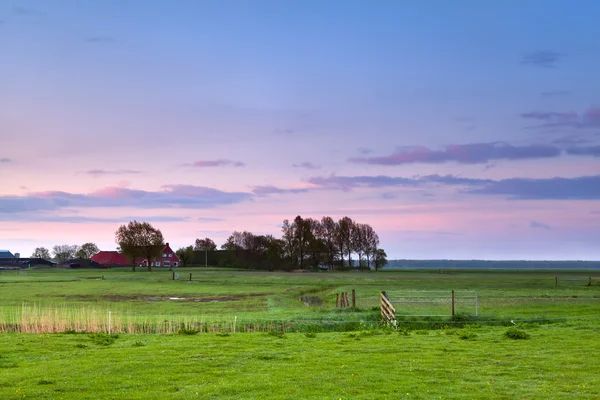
{"points": [[457, 129]]}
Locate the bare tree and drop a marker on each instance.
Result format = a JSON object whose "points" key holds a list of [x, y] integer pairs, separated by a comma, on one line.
{"points": [[289, 238], [140, 239], [343, 238], [64, 252], [316, 245], [370, 244], [328, 229], [357, 241], [87, 250], [303, 237], [206, 244], [41, 252]]}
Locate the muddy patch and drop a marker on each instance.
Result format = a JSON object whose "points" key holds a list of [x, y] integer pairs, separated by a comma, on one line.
{"points": [[311, 301]]}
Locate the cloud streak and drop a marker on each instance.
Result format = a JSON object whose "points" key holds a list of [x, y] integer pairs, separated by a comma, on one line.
{"points": [[99, 39], [306, 165], [103, 172], [268, 189], [474, 153], [216, 163], [5, 160], [171, 196], [543, 59], [579, 188], [585, 151], [590, 118], [539, 225]]}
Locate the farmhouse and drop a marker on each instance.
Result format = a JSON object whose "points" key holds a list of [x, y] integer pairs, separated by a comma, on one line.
{"points": [[111, 259], [168, 259]]}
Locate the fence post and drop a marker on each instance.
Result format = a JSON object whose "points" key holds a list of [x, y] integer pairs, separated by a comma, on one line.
{"points": [[173, 275], [590, 281], [190, 276], [337, 300], [453, 303], [555, 281], [476, 304], [354, 297]]}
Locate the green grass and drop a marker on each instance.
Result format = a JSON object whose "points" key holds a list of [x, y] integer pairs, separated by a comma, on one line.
{"points": [[558, 362], [304, 351]]}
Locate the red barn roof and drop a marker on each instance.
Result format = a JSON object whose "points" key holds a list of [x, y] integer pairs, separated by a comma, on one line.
{"points": [[110, 258]]}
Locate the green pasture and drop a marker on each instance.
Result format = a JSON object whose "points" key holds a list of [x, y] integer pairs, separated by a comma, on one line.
{"points": [[557, 362], [314, 351]]}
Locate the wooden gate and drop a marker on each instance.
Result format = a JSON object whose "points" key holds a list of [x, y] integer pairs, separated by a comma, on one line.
{"points": [[388, 312]]}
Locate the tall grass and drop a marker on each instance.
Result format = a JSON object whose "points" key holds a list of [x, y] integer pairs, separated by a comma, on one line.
{"points": [[37, 318]]}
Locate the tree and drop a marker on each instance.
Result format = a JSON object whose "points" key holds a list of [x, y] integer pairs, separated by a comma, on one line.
{"points": [[64, 252], [41, 252], [328, 227], [87, 250], [380, 259], [302, 238], [343, 238], [370, 244], [185, 254], [316, 245], [206, 244], [140, 239], [357, 241], [289, 238]]}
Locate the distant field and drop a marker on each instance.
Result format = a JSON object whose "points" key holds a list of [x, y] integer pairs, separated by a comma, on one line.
{"points": [[227, 294], [325, 352]]}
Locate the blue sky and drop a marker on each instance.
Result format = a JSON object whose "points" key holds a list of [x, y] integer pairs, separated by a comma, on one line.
{"points": [[462, 129]]}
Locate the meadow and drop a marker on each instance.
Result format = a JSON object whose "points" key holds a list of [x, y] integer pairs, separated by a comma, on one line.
{"points": [[248, 334]]}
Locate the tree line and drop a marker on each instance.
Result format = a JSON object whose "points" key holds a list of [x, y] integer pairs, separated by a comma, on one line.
{"points": [[63, 252], [305, 243]]}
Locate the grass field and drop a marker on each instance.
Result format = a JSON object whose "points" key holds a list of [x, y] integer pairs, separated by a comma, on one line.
{"points": [[466, 357]]}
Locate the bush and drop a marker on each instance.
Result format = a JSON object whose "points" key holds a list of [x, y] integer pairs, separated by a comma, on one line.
{"points": [[277, 334], [403, 331], [467, 335], [104, 339], [187, 331], [138, 343], [310, 335], [516, 334], [223, 334]]}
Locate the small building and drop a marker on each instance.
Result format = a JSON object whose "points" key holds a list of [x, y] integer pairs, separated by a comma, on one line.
{"points": [[81, 263], [111, 259], [168, 259], [6, 254], [24, 263]]}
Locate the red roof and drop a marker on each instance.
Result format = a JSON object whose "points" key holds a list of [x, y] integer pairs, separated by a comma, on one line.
{"points": [[110, 258]]}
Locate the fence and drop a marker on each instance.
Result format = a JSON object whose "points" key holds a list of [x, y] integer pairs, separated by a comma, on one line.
{"points": [[565, 281], [430, 303]]}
